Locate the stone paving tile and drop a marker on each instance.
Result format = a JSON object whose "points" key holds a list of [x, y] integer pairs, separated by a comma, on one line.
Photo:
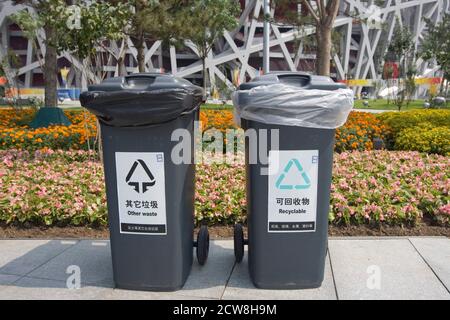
{"points": [[209, 281], [436, 252], [120, 294], [402, 272], [19, 257], [45, 289], [204, 282], [7, 280], [241, 287], [93, 257]]}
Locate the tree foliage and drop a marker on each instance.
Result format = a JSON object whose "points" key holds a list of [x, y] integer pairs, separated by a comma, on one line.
{"points": [[401, 46], [153, 20], [402, 49], [162, 20], [320, 14], [436, 45], [73, 26], [76, 28], [205, 21]]}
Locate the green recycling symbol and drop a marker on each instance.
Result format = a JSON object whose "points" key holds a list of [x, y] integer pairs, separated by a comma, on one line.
{"points": [[304, 175]]}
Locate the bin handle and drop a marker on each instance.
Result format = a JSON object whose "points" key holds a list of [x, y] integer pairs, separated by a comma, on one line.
{"points": [[300, 80], [138, 82]]}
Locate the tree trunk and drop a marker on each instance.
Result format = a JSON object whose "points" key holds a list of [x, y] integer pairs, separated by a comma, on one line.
{"points": [[141, 57], [121, 67], [205, 75], [139, 37], [446, 88], [323, 38], [138, 42], [441, 89], [50, 114], [50, 72]]}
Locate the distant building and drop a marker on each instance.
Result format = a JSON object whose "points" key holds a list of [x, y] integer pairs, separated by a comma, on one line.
{"points": [[359, 54]]}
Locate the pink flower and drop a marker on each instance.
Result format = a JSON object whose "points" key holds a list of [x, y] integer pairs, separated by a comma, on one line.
{"points": [[343, 185], [7, 161], [42, 192], [445, 209], [408, 208]]}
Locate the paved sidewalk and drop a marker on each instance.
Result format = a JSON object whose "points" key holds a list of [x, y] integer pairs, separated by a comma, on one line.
{"points": [[409, 268]]}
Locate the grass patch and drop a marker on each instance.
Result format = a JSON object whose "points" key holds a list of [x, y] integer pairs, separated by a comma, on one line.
{"points": [[206, 106], [382, 104], [209, 106]]}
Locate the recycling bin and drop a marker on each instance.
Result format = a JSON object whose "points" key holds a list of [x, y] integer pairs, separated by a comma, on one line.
{"points": [[288, 192], [149, 186]]}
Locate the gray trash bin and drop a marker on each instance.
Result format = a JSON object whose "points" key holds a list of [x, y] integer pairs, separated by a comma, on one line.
{"points": [[288, 208], [150, 198]]}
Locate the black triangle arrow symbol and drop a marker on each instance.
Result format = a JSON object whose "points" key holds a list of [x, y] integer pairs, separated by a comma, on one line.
{"points": [[145, 185]]}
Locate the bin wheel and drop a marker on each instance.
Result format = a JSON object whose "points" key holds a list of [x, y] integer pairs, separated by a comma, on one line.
{"points": [[238, 242], [202, 245]]}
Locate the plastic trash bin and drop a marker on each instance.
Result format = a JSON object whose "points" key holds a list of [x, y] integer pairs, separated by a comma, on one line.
{"points": [[150, 198], [288, 207]]}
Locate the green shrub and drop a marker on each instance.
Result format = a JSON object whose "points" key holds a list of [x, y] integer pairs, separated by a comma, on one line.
{"points": [[421, 130], [398, 121], [424, 138]]}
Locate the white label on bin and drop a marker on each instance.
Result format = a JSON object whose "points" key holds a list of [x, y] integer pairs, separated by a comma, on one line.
{"points": [[141, 192], [292, 190]]}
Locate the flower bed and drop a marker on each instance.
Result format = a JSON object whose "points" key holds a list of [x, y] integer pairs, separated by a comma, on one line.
{"points": [[424, 138], [359, 132], [219, 119], [417, 130], [220, 193], [390, 187], [52, 188], [377, 187], [14, 132]]}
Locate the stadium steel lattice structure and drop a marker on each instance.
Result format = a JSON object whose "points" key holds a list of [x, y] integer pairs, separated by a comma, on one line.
{"points": [[365, 29]]}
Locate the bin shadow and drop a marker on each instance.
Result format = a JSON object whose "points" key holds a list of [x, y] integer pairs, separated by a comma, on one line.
{"points": [[58, 263], [212, 277], [55, 263]]}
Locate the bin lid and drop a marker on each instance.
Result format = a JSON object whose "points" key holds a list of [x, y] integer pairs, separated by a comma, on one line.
{"points": [[295, 99], [141, 99], [298, 79]]}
